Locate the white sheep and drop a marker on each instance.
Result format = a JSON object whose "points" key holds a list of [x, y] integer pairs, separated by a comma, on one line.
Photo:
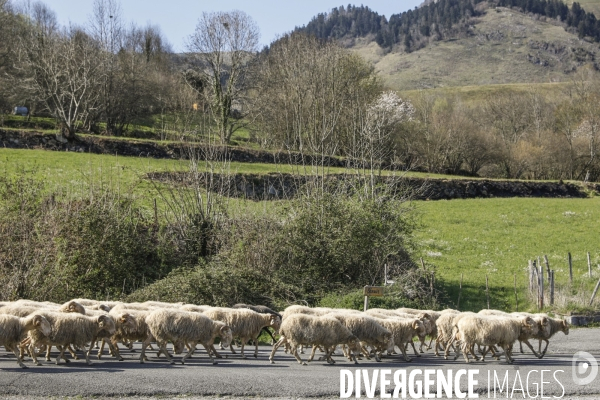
{"points": [[13, 330], [403, 330], [549, 327], [71, 329], [366, 329], [489, 331], [301, 329], [138, 330], [187, 327], [245, 324]]}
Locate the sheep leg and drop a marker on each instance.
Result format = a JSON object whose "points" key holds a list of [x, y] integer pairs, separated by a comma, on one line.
{"points": [[114, 350], [282, 340], [266, 329], [449, 344], [72, 352], [328, 358], [438, 342], [207, 347], [87, 353], [48, 348], [465, 348], [233, 351], [414, 349], [507, 354], [32, 352], [191, 350], [14, 349], [244, 340], [61, 354], [403, 350], [431, 341], [114, 346], [312, 354], [530, 347], [145, 344], [163, 347], [101, 348], [295, 354], [543, 353], [364, 352]]}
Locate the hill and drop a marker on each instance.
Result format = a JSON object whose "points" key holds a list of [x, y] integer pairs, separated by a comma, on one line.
{"points": [[503, 46], [469, 42]]}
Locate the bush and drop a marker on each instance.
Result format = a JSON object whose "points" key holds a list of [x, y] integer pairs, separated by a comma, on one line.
{"points": [[55, 247], [208, 283]]}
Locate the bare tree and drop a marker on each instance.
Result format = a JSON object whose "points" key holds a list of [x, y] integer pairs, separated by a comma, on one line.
{"points": [[220, 51], [62, 71], [106, 26]]}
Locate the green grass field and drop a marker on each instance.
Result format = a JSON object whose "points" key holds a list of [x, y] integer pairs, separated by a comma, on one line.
{"points": [[475, 237], [497, 237]]}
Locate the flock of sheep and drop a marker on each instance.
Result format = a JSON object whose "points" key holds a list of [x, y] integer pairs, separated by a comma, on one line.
{"points": [[30, 328]]}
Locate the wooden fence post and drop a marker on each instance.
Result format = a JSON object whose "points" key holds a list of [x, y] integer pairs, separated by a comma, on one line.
{"points": [[570, 269], [589, 264], [552, 287], [595, 291], [541, 288], [516, 298], [459, 291], [530, 269], [547, 266], [487, 291]]}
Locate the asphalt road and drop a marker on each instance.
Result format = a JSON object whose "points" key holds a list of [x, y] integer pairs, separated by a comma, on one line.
{"points": [[286, 378]]}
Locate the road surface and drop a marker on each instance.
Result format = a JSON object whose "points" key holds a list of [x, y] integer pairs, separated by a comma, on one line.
{"points": [[234, 377]]}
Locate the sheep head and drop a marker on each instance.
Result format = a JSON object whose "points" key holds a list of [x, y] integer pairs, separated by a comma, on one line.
{"points": [[127, 322], [73, 306], [40, 323], [275, 322], [565, 327], [419, 328], [354, 344], [529, 325], [106, 323], [226, 335], [104, 307], [178, 347]]}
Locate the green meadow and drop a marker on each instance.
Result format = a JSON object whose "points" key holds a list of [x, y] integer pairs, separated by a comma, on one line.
{"points": [[497, 237], [475, 237]]}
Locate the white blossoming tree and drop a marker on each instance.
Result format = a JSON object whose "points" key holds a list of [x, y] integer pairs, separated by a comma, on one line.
{"points": [[383, 117]]}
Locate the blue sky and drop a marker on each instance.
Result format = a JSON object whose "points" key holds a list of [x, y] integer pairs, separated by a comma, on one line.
{"points": [[177, 18]]}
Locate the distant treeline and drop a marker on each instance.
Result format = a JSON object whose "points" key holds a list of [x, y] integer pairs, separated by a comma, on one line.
{"points": [[441, 19]]}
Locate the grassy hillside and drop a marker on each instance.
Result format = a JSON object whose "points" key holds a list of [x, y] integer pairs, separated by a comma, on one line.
{"points": [[503, 47]]}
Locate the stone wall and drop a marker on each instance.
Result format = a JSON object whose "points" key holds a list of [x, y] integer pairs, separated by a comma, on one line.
{"points": [[142, 148], [285, 186]]}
